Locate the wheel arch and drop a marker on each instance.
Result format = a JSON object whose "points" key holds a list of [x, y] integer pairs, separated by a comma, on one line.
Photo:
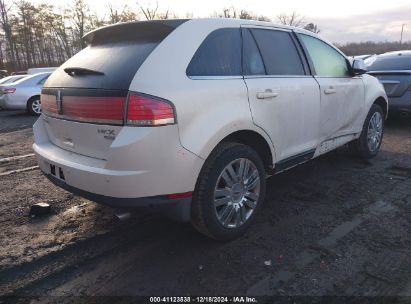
{"points": [[31, 98], [383, 103], [29, 107], [261, 144]]}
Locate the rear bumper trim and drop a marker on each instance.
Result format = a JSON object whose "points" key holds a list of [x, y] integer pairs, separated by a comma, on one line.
{"points": [[178, 209]]}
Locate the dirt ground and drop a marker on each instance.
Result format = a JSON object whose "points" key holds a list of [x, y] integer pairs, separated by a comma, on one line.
{"points": [[336, 226]]}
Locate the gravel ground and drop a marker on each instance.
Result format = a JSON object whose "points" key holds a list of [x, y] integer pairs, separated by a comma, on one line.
{"points": [[335, 226]]}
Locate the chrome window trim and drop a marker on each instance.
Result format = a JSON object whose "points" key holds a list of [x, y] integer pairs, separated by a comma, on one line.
{"points": [[276, 76], [214, 77], [267, 27]]}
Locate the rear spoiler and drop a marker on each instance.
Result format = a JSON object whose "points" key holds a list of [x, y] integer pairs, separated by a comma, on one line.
{"points": [[393, 72], [132, 30]]}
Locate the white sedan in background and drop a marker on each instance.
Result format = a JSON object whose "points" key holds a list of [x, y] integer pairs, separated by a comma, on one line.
{"points": [[10, 79], [23, 94]]}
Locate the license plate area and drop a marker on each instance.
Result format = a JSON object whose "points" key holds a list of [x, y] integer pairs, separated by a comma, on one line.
{"points": [[57, 172]]}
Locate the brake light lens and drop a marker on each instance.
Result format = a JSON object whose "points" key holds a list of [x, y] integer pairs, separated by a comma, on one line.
{"points": [[135, 110], [93, 109], [49, 104], [8, 90], [146, 110]]}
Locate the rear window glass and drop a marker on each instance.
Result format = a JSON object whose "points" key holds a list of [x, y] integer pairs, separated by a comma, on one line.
{"points": [[218, 55], [394, 63], [279, 53], [117, 52]]}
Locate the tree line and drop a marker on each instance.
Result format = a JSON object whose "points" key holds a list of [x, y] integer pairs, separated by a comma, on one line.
{"points": [[371, 48], [38, 35]]}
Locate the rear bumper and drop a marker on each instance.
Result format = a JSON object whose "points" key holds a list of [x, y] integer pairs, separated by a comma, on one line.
{"points": [[7, 104], [4, 104], [179, 209], [402, 103], [140, 170]]}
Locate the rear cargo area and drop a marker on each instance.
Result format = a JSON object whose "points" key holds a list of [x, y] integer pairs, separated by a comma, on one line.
{"points": [[83, 101]]}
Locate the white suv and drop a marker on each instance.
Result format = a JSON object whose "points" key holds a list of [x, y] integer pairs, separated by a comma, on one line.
{"points": [[193, 115]]}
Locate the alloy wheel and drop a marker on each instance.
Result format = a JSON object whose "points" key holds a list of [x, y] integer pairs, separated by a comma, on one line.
{"points": [[36, 106], [236, 193], [375, 129]]}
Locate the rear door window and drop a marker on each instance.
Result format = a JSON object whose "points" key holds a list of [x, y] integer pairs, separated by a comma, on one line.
{"points": [[279, 52], [327, 61], [253, 62], [218, 55]]}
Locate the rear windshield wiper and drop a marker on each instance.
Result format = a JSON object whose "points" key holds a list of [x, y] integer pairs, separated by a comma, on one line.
{"points": [[81, 71]]}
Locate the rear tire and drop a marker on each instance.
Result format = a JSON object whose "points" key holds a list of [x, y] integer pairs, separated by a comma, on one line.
{"points": [[229, 193], [34, 106], [368, 144]]}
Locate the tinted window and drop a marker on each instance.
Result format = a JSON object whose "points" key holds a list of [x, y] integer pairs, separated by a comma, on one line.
{"points": [[117, 51], [42, 81], [386, 63], [326, 60], [218, 55], [279, 53], [253, 63]]}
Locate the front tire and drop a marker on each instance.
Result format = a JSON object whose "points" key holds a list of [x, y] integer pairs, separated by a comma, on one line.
{"points": [[229, 192], [369, 143], [34, 106]]}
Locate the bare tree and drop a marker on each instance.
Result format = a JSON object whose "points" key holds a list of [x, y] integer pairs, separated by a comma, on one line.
{"points": [[370, 47], [148, 12], [59, 24], [292, 20], [151, 13], [33, 34], [312, 28], [26, 13], [1, 53], [114, 15], [125, 15], [128, 15], [232, 12], [80, 19], [6, 26]]}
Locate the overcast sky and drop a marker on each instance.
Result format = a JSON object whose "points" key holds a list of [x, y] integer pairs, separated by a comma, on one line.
{"points": [[339, 21]]}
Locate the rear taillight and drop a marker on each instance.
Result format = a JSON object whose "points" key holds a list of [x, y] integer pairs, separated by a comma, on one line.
{"points": [[135, 110], [109, 110], [8, 90], [146, 110], [94, 109]]}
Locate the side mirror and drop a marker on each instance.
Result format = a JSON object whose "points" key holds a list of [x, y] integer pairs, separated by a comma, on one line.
{"points": [[358, 67]]}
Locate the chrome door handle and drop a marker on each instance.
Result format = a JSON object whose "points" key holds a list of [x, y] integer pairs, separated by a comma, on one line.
{"points": [[266, 95], [330, 91]]}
